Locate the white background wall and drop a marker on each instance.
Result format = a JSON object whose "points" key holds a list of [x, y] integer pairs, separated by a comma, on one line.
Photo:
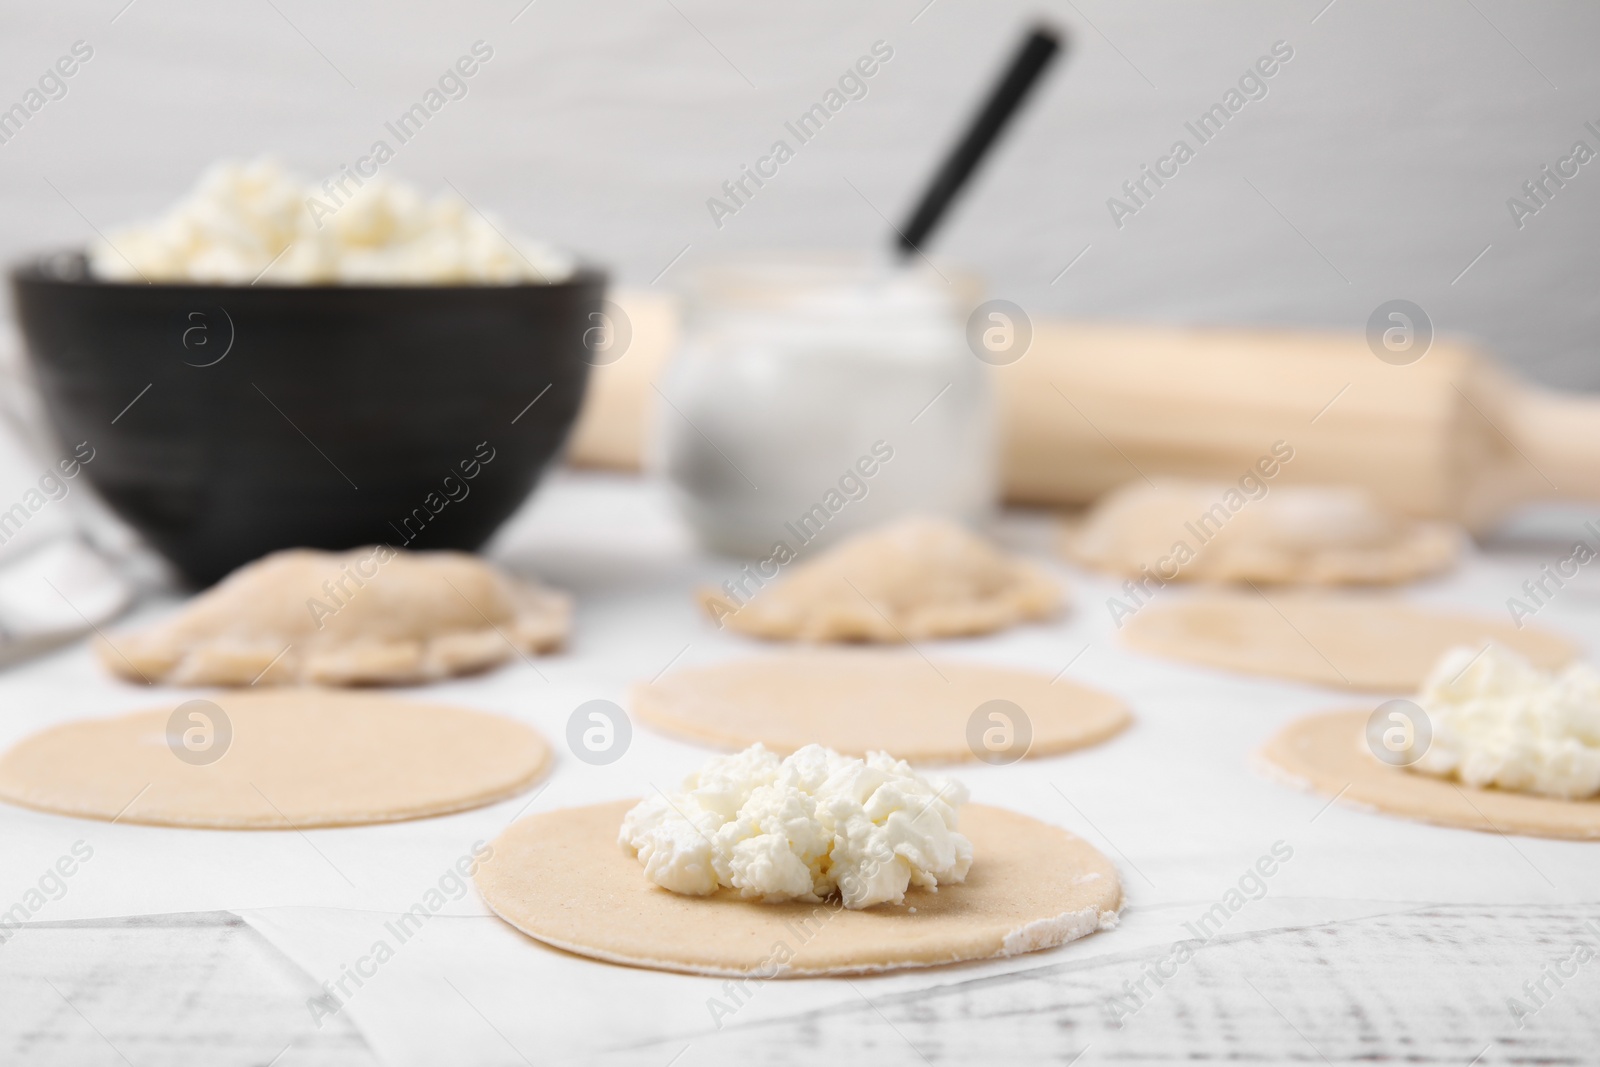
{"points": [[1383, 155]]}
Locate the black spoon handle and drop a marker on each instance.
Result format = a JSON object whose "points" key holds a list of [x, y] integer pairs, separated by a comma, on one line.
{"points": [[1005, 98]]}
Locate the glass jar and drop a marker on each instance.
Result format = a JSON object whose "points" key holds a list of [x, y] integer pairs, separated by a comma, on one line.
{"points": [[815, 396]]}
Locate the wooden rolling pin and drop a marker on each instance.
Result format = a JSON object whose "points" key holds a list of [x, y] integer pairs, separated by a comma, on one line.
{"points": [[1450, 436], [1090, 407]]}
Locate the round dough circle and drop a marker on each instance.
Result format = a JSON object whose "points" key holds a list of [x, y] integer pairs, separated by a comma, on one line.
{"points": [[1326, 753], [1347, 642], [298, 758], [869, 701], [561, 878]]}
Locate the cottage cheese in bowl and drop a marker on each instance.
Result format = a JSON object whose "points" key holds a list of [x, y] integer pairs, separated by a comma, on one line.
{"points": [[255, 222]]}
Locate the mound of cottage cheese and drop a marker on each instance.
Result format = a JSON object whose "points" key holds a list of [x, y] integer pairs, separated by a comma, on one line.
{"points": [[1500, 721], [255, 222], [803, 828]]}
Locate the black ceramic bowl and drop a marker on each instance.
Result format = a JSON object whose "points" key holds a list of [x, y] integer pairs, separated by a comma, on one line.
{"points": [[231, 420]]}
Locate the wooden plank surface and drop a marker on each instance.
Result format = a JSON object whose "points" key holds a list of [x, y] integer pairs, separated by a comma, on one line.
{"points": [[1425, 987], [1430, 986], [201, 988]]}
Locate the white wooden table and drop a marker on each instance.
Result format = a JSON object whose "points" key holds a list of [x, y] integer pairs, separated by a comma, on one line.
{"points": [[1378, 941]]}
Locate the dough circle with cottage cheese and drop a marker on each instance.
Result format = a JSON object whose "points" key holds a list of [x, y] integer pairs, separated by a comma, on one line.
{"points": [[872, 701], [1344, 641], [561, 878], [1327, 754], [290, 759]]}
